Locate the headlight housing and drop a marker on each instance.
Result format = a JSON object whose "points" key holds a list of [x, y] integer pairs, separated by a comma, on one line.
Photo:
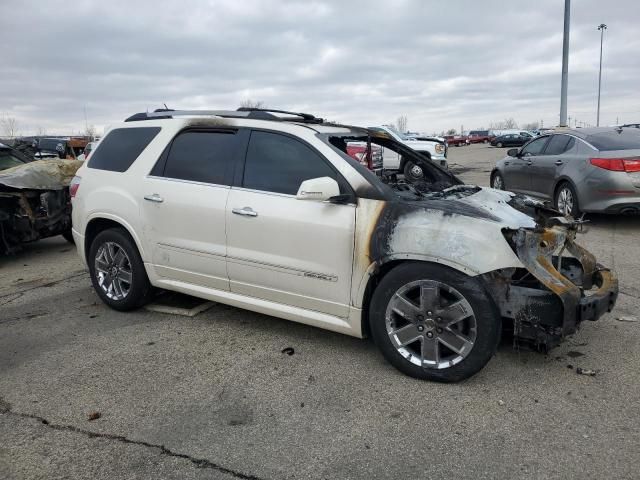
{"points": [[439, 148]]}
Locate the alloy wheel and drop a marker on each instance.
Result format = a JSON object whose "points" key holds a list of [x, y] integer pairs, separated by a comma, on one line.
{"points": [[497, 183], [431, 324], [416, 171], [565, 201], [113, 270]]}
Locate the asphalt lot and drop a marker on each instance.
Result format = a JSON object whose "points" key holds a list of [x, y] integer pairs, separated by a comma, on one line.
{"points": [[213, 396]]}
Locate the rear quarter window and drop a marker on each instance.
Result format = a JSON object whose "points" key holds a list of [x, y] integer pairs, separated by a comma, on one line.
{"points": [[120, 148], [622, 139]]}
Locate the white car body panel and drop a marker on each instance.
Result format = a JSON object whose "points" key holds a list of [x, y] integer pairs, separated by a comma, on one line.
{"points": [[307, 267]]}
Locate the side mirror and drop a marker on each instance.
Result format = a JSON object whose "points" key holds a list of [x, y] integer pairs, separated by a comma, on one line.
{"points": [[318, 189], [512, 152]]}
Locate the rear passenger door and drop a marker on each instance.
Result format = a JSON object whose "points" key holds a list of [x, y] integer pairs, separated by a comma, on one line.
{"points": [[289, 251], [183, 210]]}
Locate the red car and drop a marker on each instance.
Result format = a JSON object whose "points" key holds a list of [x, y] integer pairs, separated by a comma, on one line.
{"points": [[456, 140], [358, 151], [479, 136]]}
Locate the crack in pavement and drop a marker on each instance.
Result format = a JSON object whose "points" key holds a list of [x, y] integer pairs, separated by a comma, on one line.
{"points": [[5, 409]]}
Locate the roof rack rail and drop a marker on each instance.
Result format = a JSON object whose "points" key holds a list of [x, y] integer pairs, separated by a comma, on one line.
{"points": [[306, 117], [242, 112]]}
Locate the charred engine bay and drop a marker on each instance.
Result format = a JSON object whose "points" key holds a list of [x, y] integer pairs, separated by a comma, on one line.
{"points": [[29, 215]]}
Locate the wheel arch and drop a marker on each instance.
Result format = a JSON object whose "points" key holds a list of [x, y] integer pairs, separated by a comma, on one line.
{"points": [[379, 270], [100, 223], [565, 179]]}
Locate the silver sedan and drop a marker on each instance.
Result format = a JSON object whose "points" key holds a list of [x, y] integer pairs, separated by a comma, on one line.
{"points": [[581, 170]]}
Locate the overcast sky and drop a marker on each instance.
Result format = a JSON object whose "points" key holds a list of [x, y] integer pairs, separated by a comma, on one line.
{"points": [[442, 64]]}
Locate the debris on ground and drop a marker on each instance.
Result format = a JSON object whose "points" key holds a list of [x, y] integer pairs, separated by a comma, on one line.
{"points": [[574, 354], [501, 402], [628, 319], [94, 416], [586, 371], [288, 350]]}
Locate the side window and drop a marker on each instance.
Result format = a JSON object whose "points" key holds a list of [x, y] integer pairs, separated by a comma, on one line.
{"points": [[559, 144], [120, 148], [202, 156], [534, 147], [277, 163]]}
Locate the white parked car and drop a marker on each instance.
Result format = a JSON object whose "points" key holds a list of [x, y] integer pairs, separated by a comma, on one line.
{"points": [[433, 148], [266, 211]]}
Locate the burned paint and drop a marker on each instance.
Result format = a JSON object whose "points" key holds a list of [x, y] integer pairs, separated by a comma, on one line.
{"points": [[520, 258], [35, 202]]}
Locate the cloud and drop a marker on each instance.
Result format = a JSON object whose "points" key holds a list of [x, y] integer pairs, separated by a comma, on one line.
{"points": [[440, 63]]}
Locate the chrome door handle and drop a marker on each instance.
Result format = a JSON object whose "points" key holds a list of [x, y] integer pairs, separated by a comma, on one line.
{"points": [[246, 211], [558, 162], [154, 198]]}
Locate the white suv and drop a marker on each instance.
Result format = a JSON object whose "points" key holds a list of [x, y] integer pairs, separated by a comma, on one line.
{"points": [[265, 210], [433, 148]]}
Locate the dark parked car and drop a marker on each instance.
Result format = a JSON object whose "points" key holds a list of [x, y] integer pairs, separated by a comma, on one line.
{"points": [[510, 140], [583, 170]]}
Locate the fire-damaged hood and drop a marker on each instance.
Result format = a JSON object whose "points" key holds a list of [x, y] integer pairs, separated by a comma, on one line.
{"points": [[52, 174], [505, 208], [462, 226]]}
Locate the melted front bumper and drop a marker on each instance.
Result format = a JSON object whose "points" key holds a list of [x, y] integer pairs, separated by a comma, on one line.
{"points": [[565, 290]]}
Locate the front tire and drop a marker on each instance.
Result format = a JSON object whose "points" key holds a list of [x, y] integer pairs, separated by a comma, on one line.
{"points": [[497, 181], [499, 144], [117, 271], [566, 200], [413, 172], [434, 323]]}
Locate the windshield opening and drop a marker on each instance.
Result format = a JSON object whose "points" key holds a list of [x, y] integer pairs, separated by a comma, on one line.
{"points": [[435, 177]]}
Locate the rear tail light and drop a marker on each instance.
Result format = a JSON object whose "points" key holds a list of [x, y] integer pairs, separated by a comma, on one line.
{"points": [[617, 164], [74, 186]]}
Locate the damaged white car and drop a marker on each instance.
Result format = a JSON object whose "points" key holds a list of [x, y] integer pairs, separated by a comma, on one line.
{"points": [[35, 202], [265, 210]]}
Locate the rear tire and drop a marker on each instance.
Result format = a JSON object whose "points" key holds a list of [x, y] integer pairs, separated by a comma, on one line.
{"points": [[68, 236], [117, 270], [566, 200], [434, 323], [485, 141]]}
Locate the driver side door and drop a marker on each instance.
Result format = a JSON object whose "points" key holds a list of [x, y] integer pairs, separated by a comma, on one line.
{"points": [[523, 165], [285, 250]]}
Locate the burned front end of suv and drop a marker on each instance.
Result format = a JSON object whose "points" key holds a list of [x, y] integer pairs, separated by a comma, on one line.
{"points": [[559, 286], [540, 280]]}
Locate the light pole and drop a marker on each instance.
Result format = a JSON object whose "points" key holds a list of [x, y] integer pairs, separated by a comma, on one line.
{"points": [[565, 64], [602, 27]]}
